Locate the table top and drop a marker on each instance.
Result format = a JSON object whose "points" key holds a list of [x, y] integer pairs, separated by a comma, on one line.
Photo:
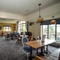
{"points": [[37, 44]]}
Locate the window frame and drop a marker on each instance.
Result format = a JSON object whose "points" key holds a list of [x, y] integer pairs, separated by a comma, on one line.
{"points": [[48, 31]]}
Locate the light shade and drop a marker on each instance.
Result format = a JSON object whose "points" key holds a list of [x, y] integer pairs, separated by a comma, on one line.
{"points": [[53, 21], [39, 20]]}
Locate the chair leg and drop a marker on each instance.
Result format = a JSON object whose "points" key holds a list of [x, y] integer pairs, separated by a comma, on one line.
{"points": [[27, 56]]}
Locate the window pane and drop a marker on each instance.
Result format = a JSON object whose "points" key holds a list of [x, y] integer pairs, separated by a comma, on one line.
{"points": [[52, 31], [22, 26], [7, 28], [58, 33], [45, 30]]}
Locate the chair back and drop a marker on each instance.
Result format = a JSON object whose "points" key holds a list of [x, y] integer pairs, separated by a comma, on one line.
{"points": [[8, 35], [24, 39], [38, 58], [43, 38]]}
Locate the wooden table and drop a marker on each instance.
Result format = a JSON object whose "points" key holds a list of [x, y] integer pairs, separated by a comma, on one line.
{"points": [[38, 44]]}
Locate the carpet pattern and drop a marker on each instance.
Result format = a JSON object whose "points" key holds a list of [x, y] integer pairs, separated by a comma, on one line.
{"points": [[11, 50]]}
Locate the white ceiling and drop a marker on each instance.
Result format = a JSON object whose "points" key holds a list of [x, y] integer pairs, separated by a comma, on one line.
{"points": [[22, 7]]}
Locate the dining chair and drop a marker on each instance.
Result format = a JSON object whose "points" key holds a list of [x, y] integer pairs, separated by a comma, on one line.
{"points": [[26, 49], [43, 38], [38, 58], [8, 36]]}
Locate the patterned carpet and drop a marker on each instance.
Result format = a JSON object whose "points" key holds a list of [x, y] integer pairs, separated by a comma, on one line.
{"points": [[11, 50]]}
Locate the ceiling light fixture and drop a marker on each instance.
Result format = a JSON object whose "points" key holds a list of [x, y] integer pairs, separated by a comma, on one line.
{"points": [[40, 19], [53, 21]]}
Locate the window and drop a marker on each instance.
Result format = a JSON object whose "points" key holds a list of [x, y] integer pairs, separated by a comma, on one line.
{"points": [[58, 32], [52, 31], [49, 31], [22, 26], [45, 30], [6, 28]]}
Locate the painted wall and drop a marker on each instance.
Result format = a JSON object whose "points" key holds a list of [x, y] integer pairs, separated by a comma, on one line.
{"points": [[35, 29]]}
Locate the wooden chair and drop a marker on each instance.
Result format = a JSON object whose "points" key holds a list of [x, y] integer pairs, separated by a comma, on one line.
{"points": [[38, 58]]}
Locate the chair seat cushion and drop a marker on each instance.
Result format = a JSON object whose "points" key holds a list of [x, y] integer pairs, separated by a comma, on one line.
{"points": [[26, 48]]}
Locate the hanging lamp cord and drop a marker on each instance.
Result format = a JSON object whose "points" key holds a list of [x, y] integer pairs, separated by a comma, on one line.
{"points": [[39, 10]]}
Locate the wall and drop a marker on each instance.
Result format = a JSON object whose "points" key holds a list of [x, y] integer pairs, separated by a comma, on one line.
{"points": [[35, 29], [13, 27], [46, 13]]}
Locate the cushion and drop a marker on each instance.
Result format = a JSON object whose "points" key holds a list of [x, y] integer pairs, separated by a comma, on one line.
{"points": [[26, 48]]}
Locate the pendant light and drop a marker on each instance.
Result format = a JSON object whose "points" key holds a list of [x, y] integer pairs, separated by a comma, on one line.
{"points": [[53, 21], [40, 19]]}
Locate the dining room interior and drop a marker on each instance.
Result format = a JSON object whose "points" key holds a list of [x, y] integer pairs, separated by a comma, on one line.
{"points": [[29, 30]]}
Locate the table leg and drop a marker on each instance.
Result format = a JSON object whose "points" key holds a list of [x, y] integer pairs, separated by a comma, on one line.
{"points": [[36, 51], [42, 51], [47, 50]]}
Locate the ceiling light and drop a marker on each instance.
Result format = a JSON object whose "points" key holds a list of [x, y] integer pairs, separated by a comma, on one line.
{"points": [[53, 21], [40, 19]]}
